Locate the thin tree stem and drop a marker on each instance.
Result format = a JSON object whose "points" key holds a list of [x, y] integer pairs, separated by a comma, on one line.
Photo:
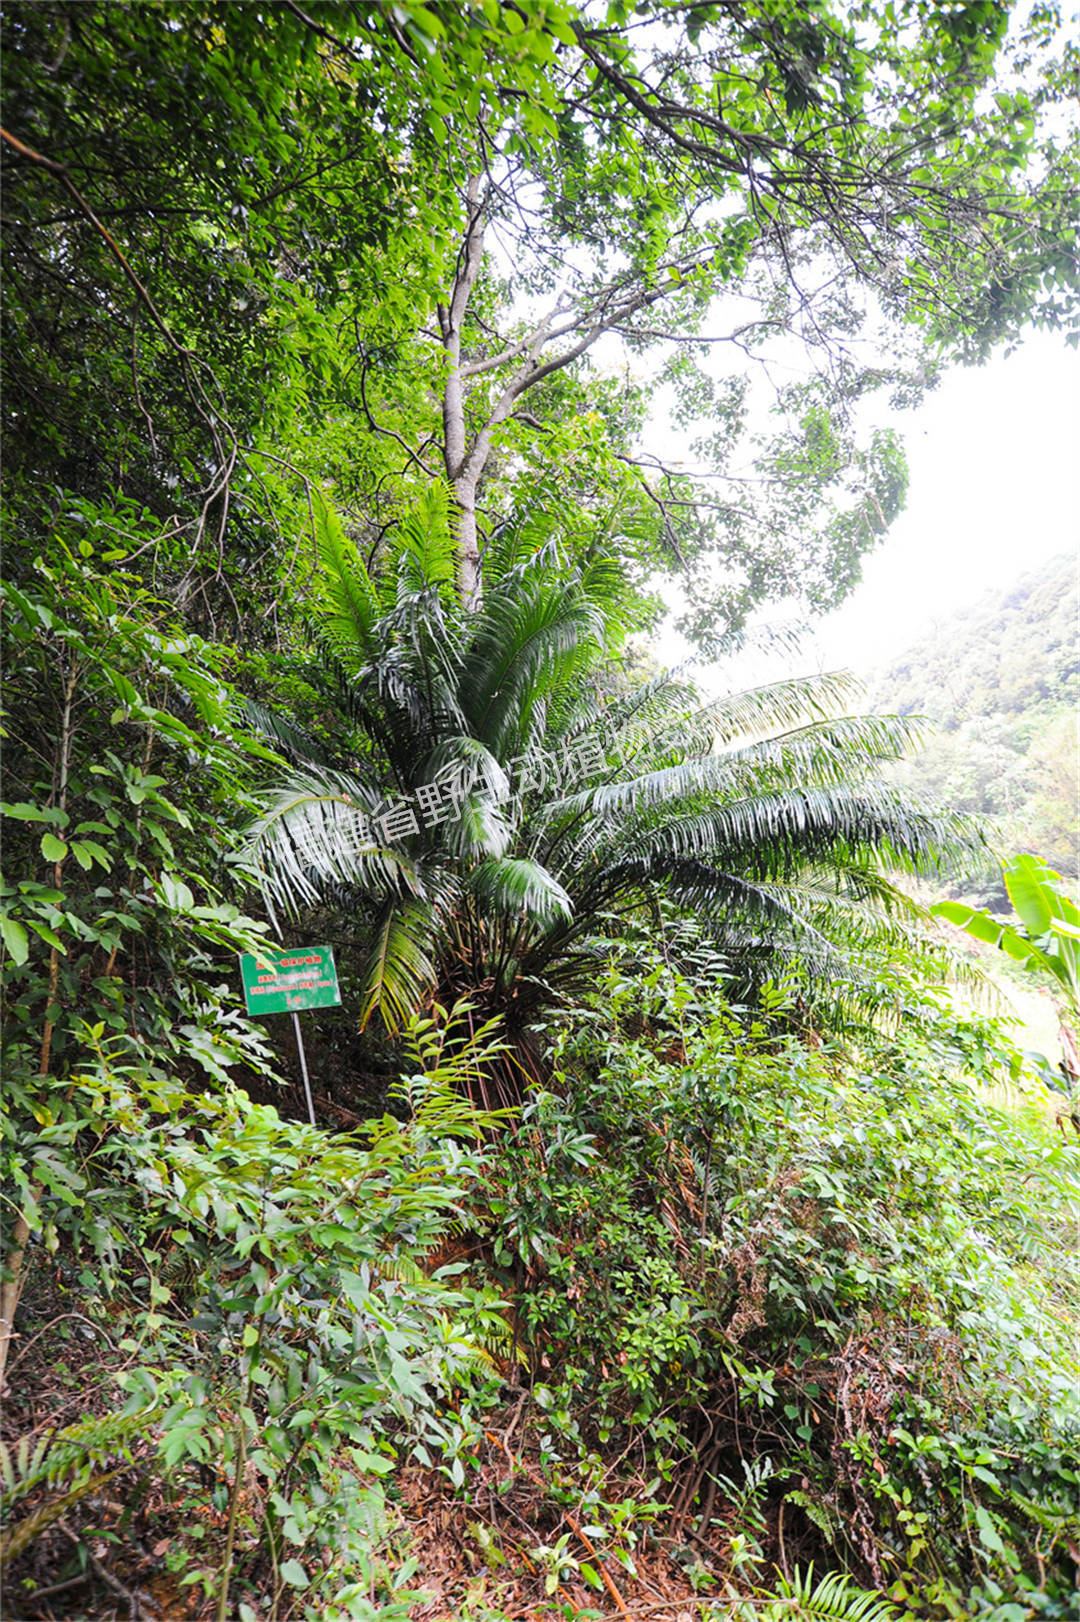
{"points": [[11, 1289], [230, 1532]]}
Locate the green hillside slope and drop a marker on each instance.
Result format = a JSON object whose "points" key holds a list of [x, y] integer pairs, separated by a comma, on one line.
{"points": [[1001, 683]]}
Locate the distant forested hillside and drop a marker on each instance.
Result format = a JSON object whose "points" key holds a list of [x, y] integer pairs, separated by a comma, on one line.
{"points": [[1001, 682]]}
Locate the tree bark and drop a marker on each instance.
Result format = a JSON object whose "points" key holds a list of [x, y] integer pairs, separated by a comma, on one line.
{"points": [[10, 1292], [465, 457], [461, 467]]}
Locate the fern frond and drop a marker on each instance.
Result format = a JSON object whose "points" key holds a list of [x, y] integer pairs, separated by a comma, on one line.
{"points": [[818, 1513], [73, 1462], [834, 1598]]}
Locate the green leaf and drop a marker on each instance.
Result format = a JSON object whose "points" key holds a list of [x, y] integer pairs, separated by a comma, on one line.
{"points": [[293, 1572], [23, 811], [988, 1534], [980, 925], [53, 849], [15, 939], [377, 1463], [176, 893], [87, 851], [1026, 880]]}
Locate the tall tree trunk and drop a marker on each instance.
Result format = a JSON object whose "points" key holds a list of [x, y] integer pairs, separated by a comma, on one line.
{"points": [[465, 458], [463, 465], [469, 581], [463, 469]]}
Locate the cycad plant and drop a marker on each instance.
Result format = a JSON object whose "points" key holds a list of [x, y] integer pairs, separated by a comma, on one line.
{"points": [[496, 803]]}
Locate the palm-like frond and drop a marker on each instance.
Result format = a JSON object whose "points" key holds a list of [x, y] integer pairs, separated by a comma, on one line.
{"points": [[832, 1598], [772, 835], [296, 744], [821, 754], [317, 831], [759, 811], [399, 971], [475, 761], [349, 600], [526, 642], [788, 703], [426, 544], [518, 887], [478, 831]]}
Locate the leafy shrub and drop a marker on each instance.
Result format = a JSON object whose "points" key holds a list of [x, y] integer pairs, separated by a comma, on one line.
{"points": [[278, 1331], [731, 1245], [266, 1336]]}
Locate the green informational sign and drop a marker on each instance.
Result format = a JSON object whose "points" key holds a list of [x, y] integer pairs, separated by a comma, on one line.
{"points": [[285, 982]]}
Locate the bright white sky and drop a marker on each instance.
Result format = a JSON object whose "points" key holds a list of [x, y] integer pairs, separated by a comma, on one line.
{"points": [[994, 455]]}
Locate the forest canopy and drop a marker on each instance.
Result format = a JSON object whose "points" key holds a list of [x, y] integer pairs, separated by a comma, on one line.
{"points": [[249, 249]]}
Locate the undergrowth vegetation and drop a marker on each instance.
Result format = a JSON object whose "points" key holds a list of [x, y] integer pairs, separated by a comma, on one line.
{"points": [[837, 1286], [721, 1309], [253, 1296]]}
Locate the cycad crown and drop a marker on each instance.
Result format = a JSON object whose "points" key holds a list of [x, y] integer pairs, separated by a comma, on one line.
{"points": [[499, 799]]}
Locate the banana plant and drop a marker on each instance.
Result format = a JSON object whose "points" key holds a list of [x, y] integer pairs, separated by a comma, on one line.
{"points": [[1046, 941]]}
